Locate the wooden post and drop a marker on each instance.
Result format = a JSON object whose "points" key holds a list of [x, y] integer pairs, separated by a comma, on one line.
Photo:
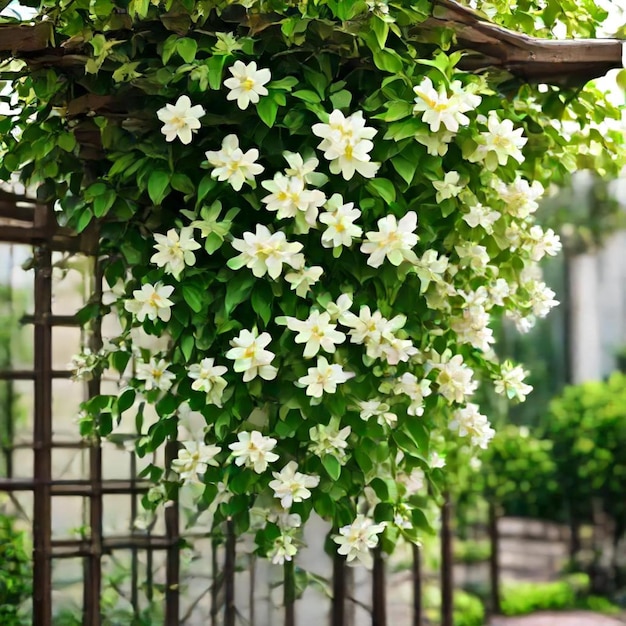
{"points": [[417, 585], [494, 558], [338, 611], [230, 613], [379, 604], [289, 593], [447, 577]]}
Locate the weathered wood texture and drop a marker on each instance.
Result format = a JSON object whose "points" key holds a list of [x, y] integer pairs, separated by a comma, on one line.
{"points": [[559, 62]]}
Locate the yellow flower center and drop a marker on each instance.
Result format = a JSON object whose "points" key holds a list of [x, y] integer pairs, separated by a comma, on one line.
{"points": [[248, 84]]}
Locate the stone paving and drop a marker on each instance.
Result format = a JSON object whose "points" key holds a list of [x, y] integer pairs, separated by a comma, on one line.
{"points": [[576, 618]]}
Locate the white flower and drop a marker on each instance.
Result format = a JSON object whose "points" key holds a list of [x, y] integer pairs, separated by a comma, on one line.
{"points": [[499, 143], [498, 291], [330, 440], [207, 377], [302, 280], [523, 324], [291, 486], [541, 298], [83, 365], [448, 187], [371, 328], [415, 481], [340, 222], [290, 198], [247, 83], [430, 268], [440, 109], [357, 539], [155, 374], [511, 382], [346, 144], [317, 332], [151, 301], [282, 550], [472, 327], [174, 251], [541, 243], [480, 215], [250, 356], [324, 377], [380, 410], [254, 450], [436, 461], [193, 459], [520, 197], [415, 389], [180, 120], [455, 380], [393, 240], [473, 255], [338, 309], [266, 253], [468, 421], [300, 168], [436, 143], [233, 165]]}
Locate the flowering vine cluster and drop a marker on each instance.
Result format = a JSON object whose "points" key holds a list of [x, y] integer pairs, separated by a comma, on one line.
{"points": [[307, 255]]}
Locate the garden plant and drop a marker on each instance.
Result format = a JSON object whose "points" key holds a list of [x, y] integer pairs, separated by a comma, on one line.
{"points": [[320, 213]]}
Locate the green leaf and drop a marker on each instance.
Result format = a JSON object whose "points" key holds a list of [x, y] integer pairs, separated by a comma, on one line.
{"points": [[193, 295], [126, 400], [158, 185], [381, 30], [169, 47], [397, 110], [332, 466], [383, 188], [267, 108], [405, 168], [341, 99], [206, 184], [182, 183], [261, 300], [187, 48], [307, 95], [238, 290], [285, 84], [216, 69], [67, 141], [388, 61], [187, 344]]}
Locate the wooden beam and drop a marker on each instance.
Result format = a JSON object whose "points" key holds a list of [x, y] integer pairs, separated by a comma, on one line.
{"points": [[561, 62], [569, 62], [25, 37]]}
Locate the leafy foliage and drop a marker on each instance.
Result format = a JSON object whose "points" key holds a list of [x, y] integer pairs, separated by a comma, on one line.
{"points": [[436, 163]]}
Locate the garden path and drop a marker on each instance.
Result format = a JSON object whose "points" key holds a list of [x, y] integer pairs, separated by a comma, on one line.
{"points": [[572, 618]]}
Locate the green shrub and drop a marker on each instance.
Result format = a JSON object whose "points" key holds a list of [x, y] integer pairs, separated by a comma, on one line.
{"points": [[471, 551], [468, 608], [15, 572], [523, 598]]}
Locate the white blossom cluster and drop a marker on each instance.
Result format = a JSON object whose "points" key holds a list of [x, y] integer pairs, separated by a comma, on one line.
{"points": [[410, 372]]}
